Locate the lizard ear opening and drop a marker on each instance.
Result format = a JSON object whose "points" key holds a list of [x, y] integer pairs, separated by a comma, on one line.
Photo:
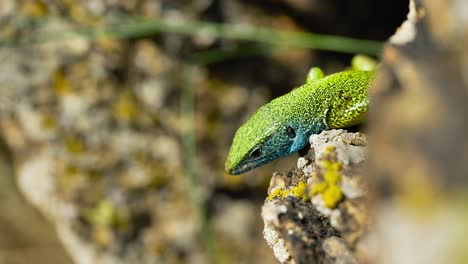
{"points": [[290, 131]]}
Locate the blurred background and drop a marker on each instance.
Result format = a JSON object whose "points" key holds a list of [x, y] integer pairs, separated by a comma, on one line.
{"points": [[116, 118]]}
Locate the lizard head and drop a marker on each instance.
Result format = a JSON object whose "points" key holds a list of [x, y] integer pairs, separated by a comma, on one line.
{"points": [[266, 136]]}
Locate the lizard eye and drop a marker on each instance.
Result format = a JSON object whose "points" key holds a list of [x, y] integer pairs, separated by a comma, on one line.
{"points": [[256, 153], [291, 133]]}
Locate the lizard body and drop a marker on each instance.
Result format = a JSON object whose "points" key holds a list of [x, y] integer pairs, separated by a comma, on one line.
{"points": [[284, 125]]}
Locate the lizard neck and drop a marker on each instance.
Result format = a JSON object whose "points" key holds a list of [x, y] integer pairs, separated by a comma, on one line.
{"points": [[304, 130]]}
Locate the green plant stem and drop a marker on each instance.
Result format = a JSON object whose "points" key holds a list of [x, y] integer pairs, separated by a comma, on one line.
{"points": [[144, 27], [189, 152], [213, 56], [134, 27]]}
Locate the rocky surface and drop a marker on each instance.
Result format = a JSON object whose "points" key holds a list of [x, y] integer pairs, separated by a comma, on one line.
{"points": [[318, 213], [27, 237], [416, 166], [94, 126], [418, 156]]}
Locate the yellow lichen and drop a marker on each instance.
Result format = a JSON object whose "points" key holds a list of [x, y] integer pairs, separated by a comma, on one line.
{"points": [[332, 195], [60, 83], [104, 214], [125, 108], [158, 180], [274, 194], [331, 165], [299, 191], [330, 148], [78, 13], [335, 166], [318, 188], [331, 192], [48, 122], [332, 177], [279, 193], [108, 44], [70, 169], [34, 9], [74, 145], [94, 173], [325, 164]]}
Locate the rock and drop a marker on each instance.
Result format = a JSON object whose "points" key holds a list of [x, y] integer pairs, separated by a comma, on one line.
{"points": [[277, 244], [349, 148], [338, 250], [418, 160], [94, 126], [316, 213]]}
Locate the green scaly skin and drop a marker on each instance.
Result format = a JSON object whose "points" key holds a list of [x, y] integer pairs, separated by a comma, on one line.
{"points": [[284, 125]]}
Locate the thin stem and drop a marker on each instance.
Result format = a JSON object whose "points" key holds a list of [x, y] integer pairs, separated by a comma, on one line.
{"points": [[189, 152], [135, 27]]}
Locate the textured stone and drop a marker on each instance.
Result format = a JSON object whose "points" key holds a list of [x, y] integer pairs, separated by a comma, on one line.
{"points": [[314, 229]]}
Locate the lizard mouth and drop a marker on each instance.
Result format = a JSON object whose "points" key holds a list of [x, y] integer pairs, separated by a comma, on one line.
{"points": [[241, 168]]}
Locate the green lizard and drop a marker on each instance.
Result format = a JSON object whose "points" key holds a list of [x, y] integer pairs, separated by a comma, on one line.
{"points": [[284, 125]]}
